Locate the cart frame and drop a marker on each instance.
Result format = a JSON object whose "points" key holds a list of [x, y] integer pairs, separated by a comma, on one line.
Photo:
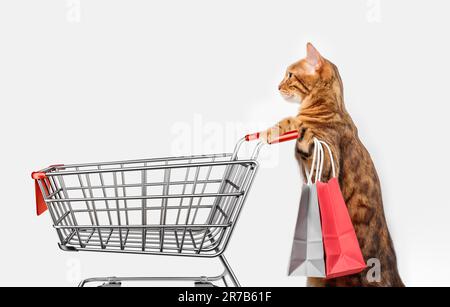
{"points": [[175, 206]]}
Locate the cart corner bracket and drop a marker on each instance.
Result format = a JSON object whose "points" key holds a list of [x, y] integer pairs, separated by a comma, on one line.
{"points": [[67, 248], [38, 175]]}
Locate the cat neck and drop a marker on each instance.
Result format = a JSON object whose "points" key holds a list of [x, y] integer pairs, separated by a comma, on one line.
{"points": [[318, 104], [324, 107]]}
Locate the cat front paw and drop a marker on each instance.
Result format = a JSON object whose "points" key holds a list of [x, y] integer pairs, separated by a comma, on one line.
{"points": [[269, 135], [264, 136]]}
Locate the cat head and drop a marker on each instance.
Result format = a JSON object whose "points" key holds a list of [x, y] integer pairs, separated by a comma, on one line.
{"points": [[311, 74]]}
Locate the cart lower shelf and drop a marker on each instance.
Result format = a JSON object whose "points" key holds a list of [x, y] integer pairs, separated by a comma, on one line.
{"points": [[228, 278]]}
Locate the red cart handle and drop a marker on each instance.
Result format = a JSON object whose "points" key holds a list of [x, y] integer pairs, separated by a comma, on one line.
{"points": [[41, 206], [288, 136]]}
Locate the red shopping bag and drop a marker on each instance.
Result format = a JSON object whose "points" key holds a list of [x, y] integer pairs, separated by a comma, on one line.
{"points": [[343, 255]]}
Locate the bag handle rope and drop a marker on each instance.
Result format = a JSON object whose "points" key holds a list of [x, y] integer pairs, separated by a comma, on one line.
{"points": [[333, 167], [318, 160]]}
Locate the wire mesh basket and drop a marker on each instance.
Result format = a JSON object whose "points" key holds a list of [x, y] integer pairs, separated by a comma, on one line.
{"points": [[185, 206]]}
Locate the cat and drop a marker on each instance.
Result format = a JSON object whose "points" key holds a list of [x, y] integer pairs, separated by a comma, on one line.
{"points": [[315, 83]]}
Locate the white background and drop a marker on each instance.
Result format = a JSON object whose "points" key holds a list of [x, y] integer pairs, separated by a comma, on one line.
{"points": [[93, 80]]}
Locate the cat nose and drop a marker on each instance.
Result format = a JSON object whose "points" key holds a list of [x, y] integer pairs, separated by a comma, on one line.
{"points": [[279, 87]]}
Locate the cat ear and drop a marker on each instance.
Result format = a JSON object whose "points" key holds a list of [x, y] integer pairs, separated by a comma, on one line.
{"points": [[313, 57]]}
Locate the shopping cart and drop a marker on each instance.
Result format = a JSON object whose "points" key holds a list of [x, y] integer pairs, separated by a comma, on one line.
{"points": [[180, 206]]}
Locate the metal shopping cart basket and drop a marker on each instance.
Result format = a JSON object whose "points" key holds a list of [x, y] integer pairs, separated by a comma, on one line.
{"points": [[181, 206]]}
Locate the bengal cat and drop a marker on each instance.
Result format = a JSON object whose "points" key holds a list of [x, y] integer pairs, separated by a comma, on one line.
{"points": [[315, 83]]}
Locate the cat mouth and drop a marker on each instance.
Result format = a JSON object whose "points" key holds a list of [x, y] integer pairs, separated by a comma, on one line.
{"points": [[291, 98]]}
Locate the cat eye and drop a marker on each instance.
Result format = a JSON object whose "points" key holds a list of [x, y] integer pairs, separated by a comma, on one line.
{"points": [[289, 74]]}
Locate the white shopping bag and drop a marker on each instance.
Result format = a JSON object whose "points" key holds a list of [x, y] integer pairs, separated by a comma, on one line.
{"points": [[307, 256]]}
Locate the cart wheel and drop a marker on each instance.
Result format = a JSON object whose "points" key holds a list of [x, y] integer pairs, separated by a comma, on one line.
{"points": [[111, 284], [206, 284]]}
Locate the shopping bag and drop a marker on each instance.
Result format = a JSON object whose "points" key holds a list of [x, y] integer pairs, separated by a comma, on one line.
{"points": [[307, 255], [343, 255]]}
